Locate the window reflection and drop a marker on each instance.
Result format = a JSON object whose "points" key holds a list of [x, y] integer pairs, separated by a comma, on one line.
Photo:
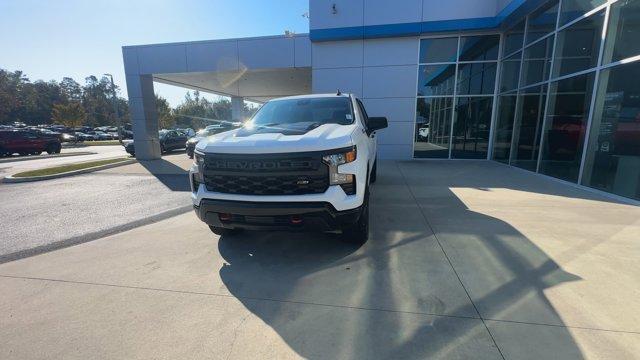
{"points": [[623, 34], [528, 127], [433, 126], [471, 127], [578, 46], [476, 78], [513, 38], [504, 127], [438, 50], [537, 62], [510, 72], [573, 9], [566, 120], [436, 79], [479, 48], [542, 22], [613, 155]]}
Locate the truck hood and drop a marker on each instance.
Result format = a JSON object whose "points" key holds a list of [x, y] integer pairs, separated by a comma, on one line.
{"points": [[280, 139]]}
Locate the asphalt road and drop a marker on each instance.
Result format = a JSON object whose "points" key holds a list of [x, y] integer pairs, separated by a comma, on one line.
{"points": [[85, 207], [102, 152]]}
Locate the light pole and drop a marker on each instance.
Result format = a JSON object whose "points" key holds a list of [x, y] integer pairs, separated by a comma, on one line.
{"points": [[114, 101]]}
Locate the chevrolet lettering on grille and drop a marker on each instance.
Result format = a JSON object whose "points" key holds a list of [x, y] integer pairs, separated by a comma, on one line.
{"points": [[259, 165]]}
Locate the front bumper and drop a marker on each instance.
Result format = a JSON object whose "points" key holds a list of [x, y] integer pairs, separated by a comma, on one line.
{"points": [[316, 216]]}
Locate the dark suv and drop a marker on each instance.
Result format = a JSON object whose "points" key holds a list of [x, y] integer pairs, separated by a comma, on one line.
{"points": [[169, 140], [26, 142]]}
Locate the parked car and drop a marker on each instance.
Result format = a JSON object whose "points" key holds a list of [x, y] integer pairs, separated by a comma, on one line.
{"points": [[169, 140], [25, 142], [302, 162], [101, 135], [208, 131], [84, 136], [67, 137]]}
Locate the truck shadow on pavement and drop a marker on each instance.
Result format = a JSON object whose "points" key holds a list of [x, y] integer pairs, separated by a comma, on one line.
{"points": [[174, 177], [435, 280]]}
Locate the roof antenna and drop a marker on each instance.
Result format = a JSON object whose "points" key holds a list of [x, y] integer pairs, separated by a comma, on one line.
{"points": [[338, 93]]}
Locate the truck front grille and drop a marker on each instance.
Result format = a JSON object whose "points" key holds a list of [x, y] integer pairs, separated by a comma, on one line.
{"points": [[266, 174]]}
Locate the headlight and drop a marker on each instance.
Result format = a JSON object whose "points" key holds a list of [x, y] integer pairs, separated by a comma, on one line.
{"points": [[340, 158], [334, 160], [198, 160]]}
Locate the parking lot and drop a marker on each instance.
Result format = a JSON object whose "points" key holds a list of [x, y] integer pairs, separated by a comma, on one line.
{"points": [[467, 259]]}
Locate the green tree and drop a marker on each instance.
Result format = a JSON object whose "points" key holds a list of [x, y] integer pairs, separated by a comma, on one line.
{"points": [[197, 112], [165, 114], [71, 114], [71, 90]]}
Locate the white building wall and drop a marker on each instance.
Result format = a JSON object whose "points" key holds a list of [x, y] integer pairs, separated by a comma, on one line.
{"points": [[351, 13], [383, 73]]}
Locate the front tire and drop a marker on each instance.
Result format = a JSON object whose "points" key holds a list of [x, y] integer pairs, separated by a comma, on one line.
{"points": [[53, 149], [358, 233]]}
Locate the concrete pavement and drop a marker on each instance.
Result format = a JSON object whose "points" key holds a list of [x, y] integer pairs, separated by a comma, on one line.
{"points": [[466, 260], [48, 214]]}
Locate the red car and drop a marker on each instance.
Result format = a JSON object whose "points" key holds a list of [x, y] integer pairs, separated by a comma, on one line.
{"points": [[26, 142]]}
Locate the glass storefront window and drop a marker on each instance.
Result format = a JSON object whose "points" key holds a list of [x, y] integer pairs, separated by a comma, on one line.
{"points": [[446, 78], [433, 126], [537, 62], [578, 46], [510, 72], [528, 127], [479, 48], [471, 127], [504, 127], [476, 78], [573, 9], [436, 79], [565, 124], [513, 39], [613, 155], [542, 22], [438, 50], [623, 33]]}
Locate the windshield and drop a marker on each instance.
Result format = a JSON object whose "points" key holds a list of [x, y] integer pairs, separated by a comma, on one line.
{"points": [[320, 111]]}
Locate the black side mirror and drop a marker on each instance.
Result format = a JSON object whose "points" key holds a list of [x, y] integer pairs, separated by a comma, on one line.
{"points": [[376, 123]]}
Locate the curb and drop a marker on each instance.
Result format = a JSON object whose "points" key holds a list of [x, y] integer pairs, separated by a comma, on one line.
{"points": [[12, 180], [52, 156]]}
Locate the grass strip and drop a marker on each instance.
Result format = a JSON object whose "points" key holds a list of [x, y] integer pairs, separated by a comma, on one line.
{"points": [[68, 167]]}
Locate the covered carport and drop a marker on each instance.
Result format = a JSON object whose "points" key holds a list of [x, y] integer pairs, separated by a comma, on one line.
{"points": [[253, 69]]}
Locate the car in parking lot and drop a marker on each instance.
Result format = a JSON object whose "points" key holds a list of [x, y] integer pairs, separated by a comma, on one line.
{"points": [[169, 140], [208, 131], [26, 142]]}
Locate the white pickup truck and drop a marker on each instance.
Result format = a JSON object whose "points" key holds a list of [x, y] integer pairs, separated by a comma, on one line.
{"points": [[301, 162]]}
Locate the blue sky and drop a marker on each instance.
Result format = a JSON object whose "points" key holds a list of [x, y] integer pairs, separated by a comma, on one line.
{"points": [[50, 39]]}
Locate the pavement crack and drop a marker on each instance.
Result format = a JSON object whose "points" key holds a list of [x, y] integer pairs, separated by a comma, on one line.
{"points": [[295, 302], [235, 334]]}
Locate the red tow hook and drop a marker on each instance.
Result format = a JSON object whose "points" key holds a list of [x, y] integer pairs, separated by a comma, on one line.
{"points": [[224, 217], [296, 219]]}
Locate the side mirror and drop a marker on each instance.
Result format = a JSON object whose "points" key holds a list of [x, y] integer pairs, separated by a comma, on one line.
{"points": [[377, 123]]}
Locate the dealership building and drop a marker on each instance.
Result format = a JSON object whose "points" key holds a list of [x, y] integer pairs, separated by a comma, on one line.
{"points": [[551, 87]]}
